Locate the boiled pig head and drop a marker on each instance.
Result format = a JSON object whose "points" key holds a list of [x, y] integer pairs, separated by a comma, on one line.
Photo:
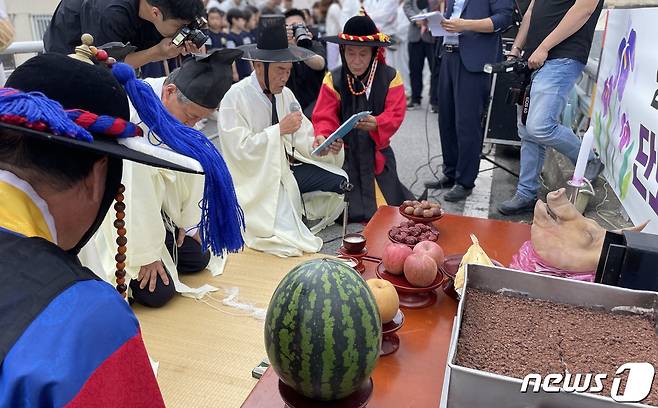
{"points": [[563, 237]]}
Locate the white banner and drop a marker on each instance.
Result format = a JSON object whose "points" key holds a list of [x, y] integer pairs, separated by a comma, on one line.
{"points": [[625, 116]]}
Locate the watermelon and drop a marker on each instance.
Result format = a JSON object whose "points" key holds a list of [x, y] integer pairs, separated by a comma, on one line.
{"points": [[322, 330]]}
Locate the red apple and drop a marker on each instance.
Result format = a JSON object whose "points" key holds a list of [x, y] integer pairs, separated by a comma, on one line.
{"points": [[386, 297], [431, 249], [420, 270], [394, 257]]}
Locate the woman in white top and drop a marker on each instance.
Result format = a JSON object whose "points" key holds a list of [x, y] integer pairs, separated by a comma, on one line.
{"points": [[332, 28]]}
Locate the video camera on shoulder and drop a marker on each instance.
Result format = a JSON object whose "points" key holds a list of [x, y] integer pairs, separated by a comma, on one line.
{"points": [[301, 35], [519, 91], [192, 32]]}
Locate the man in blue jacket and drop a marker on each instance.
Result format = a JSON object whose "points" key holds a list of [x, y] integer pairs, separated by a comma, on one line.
{"points": [[464, 87]]}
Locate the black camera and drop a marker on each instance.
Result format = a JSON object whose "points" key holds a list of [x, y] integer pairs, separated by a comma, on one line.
{"points": [[517, 66], [191, 32], [519, 91], [301, 35]]}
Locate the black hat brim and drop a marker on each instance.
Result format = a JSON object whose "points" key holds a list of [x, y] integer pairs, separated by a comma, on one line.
{"points": [[290, 54], [337, 40], [103, 147]]}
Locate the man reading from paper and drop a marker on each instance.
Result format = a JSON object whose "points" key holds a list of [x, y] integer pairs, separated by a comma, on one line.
{"points": [[267, 144], [164, 205]]}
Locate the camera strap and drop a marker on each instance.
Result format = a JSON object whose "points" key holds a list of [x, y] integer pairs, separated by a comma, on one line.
{"points": [[525, 108]]}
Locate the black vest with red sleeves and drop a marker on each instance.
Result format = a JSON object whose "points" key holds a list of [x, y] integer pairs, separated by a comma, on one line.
{"points": [[351, 104], [360, 148]]}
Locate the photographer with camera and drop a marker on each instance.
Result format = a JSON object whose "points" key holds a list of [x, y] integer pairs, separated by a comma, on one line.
{"points": [[306, 76], [142, 23], [557, 36]]}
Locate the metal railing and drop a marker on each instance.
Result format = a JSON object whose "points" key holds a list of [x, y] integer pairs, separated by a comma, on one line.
{"points": [[40, 23], [23, 47], [18, 48]]}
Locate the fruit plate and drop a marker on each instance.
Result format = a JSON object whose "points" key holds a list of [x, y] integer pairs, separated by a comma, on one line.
{"points": [[450, 267], [412, 297], [394, 325], [353, 262], [390, 340], [420, 220], [434, 231]]}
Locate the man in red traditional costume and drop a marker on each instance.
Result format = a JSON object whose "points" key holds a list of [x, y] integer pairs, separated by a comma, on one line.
{"points": [[365, 83]]}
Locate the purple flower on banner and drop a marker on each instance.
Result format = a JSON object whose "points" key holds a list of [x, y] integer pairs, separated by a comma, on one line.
{"points": [[606, 95], [625, 62], [625, 135]]}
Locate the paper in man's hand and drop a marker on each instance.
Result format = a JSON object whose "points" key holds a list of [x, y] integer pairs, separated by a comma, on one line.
{"points": [[343, 130], [434, 20]]}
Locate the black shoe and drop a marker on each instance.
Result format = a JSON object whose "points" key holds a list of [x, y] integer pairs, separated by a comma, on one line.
{"points": [[517, 205], [457, 193], [413, 105], [443, 182], [593, 169], [435, 108]]}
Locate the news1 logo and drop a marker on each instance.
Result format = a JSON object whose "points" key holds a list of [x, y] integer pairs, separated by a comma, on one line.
{"points": [[638, 384]]}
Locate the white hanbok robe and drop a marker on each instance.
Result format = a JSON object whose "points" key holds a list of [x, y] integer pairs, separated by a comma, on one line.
{"points": [[398, 56], [149, 190], [255, 153], [382, 12]]}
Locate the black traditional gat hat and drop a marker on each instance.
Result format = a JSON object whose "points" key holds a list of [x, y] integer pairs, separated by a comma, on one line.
{"points": [[360, 30], [102, 116], [272, 43], [206, 78]]}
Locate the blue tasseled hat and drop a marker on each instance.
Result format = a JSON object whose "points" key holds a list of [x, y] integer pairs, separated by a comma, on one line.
{"points": [[222, 219], [49, 108]]}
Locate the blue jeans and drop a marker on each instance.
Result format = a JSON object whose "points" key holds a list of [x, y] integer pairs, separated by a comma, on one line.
{"points": [[548, 97]]}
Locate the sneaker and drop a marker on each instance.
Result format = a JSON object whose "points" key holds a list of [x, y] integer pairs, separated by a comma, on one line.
{"points": [[440, 184], [517, 205], [457, 193], [413, 105], [593, 169]]}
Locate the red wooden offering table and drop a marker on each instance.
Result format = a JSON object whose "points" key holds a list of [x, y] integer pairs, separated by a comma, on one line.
{"points": [[413, 376]]}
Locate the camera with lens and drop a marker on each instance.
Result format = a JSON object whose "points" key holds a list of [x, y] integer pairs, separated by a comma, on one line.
{"points": [[521, 85], [301, 35], [519, 91], [191, 32]]}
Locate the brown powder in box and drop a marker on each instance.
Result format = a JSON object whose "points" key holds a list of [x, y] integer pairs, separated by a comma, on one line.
{"points": [[516, 336]]}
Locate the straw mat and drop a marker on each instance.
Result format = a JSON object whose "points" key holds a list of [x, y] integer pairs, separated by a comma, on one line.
{"points": [[206, 356]]}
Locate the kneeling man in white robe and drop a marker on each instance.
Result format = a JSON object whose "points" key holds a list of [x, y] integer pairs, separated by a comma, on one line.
{"points": [[163, 205], [267, 143]]}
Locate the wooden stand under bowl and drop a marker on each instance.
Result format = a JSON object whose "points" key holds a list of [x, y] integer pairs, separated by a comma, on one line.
{"points": [[390, 340], [412, 297], [358, 399]]}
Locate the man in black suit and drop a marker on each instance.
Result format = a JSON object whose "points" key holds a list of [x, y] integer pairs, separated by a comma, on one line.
{"points": [[463, 87]]}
